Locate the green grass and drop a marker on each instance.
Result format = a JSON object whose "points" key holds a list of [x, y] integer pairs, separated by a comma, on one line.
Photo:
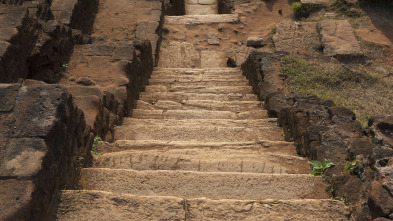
{"points": [[355, 90]]}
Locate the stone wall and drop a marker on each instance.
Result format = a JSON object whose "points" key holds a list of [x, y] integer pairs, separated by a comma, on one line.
{"points": [[18, 34], [44, 142], [321, 129]]}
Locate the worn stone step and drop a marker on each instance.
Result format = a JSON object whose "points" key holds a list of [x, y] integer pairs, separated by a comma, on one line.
{"points": [[198, 114], [202, 19], [197, 133], [267, 122], [204, 160], [200, 89], [256, 123], [100, 205], [191, 71], [212, 185], [199, 78], [250, 210], [280, 147], [180, 96], [214, 83], [201, 104], [196, 73]]}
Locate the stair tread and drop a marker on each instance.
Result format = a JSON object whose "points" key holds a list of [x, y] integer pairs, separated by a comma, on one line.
{"points": [[213, 185], [180, 96], [197, 133], [198, 114], [199, 89], [101, 205], [202, 19], [201, 104], [269, 122], [282, 147], [204, 159]]}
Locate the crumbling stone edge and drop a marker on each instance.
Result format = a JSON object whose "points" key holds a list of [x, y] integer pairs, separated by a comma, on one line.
{"points": [[321, 129]]}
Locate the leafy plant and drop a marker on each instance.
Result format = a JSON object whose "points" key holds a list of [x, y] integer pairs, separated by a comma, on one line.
{"points": [[319, 167], [95, 144], [353, 167], [300, 10]]}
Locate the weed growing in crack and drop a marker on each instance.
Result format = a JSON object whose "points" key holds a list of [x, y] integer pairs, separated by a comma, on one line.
{"points": [[95, 144], [319, 167], [353, 167]]}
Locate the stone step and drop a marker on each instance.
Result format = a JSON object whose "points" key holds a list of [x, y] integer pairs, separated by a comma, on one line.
{"points": [[197, 133], [249, 210], [201, 104], [200, 89], [104, 206], [191, 71], [100, 205], [201, 19], [280, 147], [212, 185], [204, 73], [199, 77], [181, 96], [257, 123], [198, 114], [203, 7], [214, 83], [204, 160]]}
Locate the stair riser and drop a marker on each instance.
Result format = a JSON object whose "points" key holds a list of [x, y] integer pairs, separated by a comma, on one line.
{"points": [[208, 90], [77, 205], [199, 83], [203, 134], [211, 185], [200, 105], [260, 146], [179, 97], [181, 115], [257, 123], [204, 160]]}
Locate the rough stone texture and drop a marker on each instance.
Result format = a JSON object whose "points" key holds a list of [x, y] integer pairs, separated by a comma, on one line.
{"points": [[338, 39], [201, 209], [51, 52], [297, 38], [190, 184], [321, 129], [76, 14], [382, 129], [316, 2], [39, 123], [128, 65], [180, 55], [18, 33], [103, 206], [132, 19], [256, 42], [262, 70], [204, 160], [201, 19]]}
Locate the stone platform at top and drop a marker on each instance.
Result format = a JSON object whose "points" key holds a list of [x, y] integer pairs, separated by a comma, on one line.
{"points": [[201, 7]]}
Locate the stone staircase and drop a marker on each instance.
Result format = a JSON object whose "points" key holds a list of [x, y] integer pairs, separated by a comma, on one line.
{"points": [[199, 147]]}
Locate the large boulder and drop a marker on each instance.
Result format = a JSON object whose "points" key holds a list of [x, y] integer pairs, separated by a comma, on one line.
{"points": [[338, 39]]}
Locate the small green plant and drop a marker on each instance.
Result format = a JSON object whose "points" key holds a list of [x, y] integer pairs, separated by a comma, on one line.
{"points": [[353, 167], [319, 167], [340, 198], [95, 144], [299, 10]]}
